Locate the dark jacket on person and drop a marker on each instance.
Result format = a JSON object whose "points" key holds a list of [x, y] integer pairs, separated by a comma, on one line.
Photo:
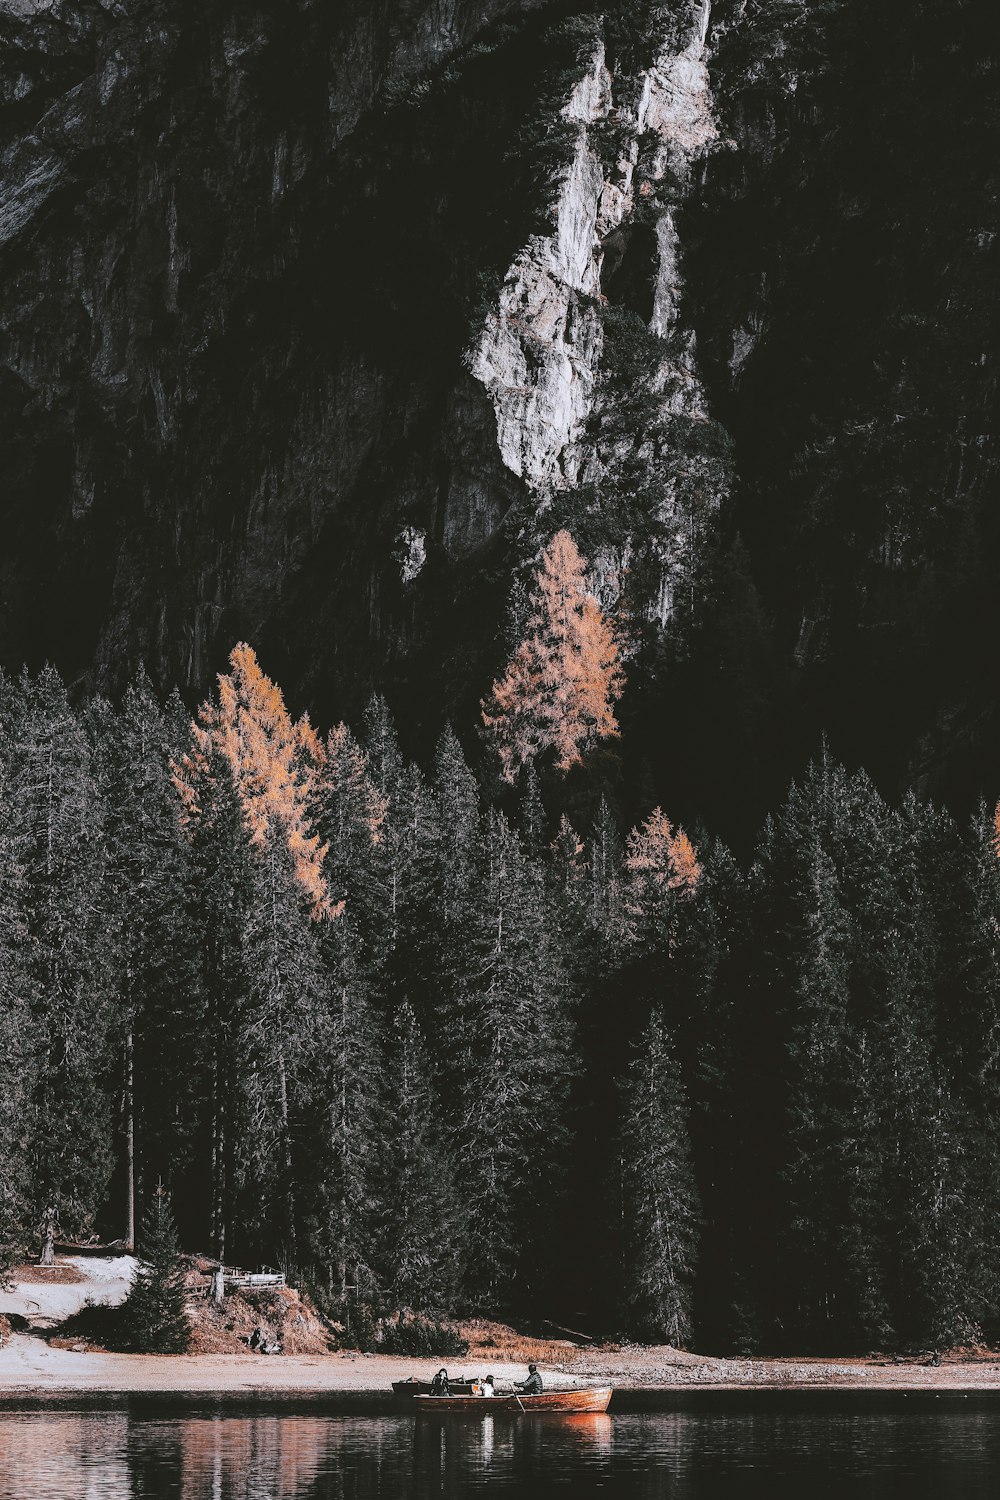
{"points": [[533, 1385], [440, 1386]]}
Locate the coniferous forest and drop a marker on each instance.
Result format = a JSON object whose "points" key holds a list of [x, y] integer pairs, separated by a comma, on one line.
{"points": [[409, 1032], [498, 620]]}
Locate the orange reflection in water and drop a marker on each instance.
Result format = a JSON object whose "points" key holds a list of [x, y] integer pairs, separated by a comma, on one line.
{"points": [[72, 1455], [231, 1458], [592, 1430], [108, 1455]]}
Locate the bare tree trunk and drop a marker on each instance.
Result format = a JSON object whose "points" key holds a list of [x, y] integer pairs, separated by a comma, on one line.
{"points": [[48, 1256], [218, 1171], [287, 1142]]}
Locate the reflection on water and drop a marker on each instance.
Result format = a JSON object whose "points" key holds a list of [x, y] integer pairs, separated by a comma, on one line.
{"points": [[108, 1455]]}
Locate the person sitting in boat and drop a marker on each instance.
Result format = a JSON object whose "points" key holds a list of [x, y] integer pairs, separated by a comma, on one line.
{"points": [[487, 1389], [533, 1385], [439, 1385]]}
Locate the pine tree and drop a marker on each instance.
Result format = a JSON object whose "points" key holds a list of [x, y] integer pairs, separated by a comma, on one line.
{"points": [[406, 867], [563, 680], [20, 1056], [727, 1044], [58, 834], [939, 1293], [455, 867], [972, 1042], [276, 1040], [150, 956], [394, 876], [606, 880], [345, 1104], [420, 1225], [532, 819], [568, 883], [349, 812], [457, 799], [217, 904], [154, 1316], [823, 906], [380, 743], [659, 1197], [820, 1056], [507, 1013]]}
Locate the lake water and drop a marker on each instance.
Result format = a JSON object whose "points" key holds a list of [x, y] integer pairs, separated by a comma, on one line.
{"points": [[918, 1452]]}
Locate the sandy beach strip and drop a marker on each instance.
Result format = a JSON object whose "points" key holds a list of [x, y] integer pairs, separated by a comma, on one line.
{"points": [[30, 1366]]}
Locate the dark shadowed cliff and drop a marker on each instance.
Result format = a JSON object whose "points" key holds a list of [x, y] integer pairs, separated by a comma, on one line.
{"points": [[315, 319]]}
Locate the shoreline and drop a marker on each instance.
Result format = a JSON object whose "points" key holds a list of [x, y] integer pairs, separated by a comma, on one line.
{"points": [[33, 1373]]}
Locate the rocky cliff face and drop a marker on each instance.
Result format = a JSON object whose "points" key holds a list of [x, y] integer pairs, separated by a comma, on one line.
{"points": [[306, 325], [315, 320], [562, 425]]}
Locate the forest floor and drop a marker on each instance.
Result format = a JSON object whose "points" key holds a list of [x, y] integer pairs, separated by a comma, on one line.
{"points": [[35, 1361]]}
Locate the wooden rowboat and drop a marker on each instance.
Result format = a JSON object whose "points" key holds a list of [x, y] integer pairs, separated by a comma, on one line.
{"points": [[592, 1398]]}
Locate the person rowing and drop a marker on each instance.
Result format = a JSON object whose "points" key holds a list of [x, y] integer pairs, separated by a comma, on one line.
{"points": [[533, 1385]]}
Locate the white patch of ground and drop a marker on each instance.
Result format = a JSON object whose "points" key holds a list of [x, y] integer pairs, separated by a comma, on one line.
{"points": [[105, 1280]]}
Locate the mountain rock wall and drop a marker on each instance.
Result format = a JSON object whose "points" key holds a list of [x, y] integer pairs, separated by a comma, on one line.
{"points": [[316, 321], [304, 324]]}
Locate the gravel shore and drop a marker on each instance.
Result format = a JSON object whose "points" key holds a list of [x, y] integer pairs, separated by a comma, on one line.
{"points": [[29, 1365]]}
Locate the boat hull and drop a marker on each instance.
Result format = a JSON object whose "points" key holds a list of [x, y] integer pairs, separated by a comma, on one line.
{"points": [[595, 1398]]}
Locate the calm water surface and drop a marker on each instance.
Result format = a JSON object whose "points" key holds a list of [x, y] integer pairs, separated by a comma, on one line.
{"points": [[114, 1455]]}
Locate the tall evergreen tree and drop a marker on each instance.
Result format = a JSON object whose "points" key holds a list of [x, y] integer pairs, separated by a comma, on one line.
{"points": [[349, 812], [727, 1043], [972, 1045], [419, 1220], [276, 1040], [217, 906], [150, 957], [508, 1011], [938, 1293], [19, 1059], [659, 1197], [822, 925], [606, 874], [456, 864], [820, 1064], [154, 1315], [345, 1102], [59, 840]]}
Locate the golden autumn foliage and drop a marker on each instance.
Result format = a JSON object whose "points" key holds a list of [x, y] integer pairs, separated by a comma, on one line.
{"points": [[561, 683], [274, 764], [659, 857]]}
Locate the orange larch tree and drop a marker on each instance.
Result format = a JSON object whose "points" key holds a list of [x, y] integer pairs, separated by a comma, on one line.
{"points": [[274, 764], [661, 865], [563, 680]]}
